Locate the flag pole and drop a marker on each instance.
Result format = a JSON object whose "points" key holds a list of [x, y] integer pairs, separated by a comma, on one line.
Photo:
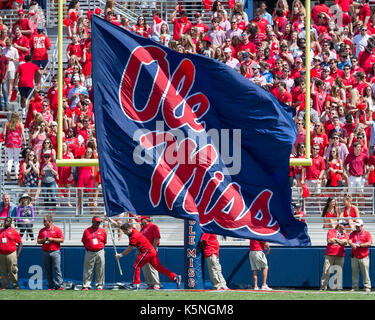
{"points": [[114, 247], [307, 67]]}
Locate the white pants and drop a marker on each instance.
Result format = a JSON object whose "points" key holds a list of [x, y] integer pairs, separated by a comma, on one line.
{"points": [[13, 156], [215, 273], [356, 184]]}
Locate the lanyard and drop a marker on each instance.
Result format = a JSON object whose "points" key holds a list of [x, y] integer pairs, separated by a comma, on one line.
{"points": [[50, 233], [356, 237]]}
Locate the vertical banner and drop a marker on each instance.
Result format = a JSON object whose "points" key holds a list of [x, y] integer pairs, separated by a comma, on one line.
{"points": [[193, 277]]}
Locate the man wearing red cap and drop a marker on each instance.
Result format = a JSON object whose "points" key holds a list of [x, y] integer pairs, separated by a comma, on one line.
{"points": [[25, 24], [152, 233], [94, 239]]}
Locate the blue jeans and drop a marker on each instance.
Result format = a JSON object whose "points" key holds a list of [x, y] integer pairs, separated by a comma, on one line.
{"points": [[52, 264], [4, 95], [49, 195]]}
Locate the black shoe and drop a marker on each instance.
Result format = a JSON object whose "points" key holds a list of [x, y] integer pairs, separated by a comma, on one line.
{"points": [[178, 281]]}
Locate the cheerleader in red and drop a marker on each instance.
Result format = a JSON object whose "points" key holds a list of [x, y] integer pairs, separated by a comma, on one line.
{"points": [[334, 170], [14, 135], [85, 180], [330, 211], [350, 211], [66, 174]]}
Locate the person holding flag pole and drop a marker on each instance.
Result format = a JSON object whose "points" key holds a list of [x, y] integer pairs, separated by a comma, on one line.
{"points": [[147, 254]]}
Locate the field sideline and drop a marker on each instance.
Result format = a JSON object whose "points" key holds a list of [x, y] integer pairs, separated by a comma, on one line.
{"points": [[204, 295]]}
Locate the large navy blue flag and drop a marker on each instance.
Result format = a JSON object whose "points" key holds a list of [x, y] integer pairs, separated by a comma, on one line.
{"points": [[187, 136]]}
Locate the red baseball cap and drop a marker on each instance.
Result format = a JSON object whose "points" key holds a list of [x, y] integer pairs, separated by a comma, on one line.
{"points": [[21, 11], [145, 217], [96, 219]]}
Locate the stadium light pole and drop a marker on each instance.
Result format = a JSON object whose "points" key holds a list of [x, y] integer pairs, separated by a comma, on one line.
{"points": [[307, 161]]}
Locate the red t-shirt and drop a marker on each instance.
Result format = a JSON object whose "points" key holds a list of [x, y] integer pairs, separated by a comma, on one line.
{"points": [[344, 4], [243, 47], [177, 26], [27, 72], [23, 42], [211, 245], [25, 24], [94, 240], [75, 49], [9, 239], [139, 241], [39, 45], [256, 245], [360, 238], [151, 232], [335, 249], [313, 171], [356, 163], [365, 11], [53, 232]]}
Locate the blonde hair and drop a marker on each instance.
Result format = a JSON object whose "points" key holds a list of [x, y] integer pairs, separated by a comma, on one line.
{"points": [[15, 120]]}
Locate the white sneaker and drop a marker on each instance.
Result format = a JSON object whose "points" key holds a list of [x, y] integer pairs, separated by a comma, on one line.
{"points": [[266, 288], [256, 288]]}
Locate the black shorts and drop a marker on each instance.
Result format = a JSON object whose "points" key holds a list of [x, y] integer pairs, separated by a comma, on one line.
{"points": [[25, 91]]}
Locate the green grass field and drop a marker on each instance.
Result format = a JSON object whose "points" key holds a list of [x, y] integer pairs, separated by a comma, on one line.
{"points": [[184, 295]]}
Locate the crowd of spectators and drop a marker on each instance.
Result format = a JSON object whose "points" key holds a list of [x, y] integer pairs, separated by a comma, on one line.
{"points": [[268, 50]]}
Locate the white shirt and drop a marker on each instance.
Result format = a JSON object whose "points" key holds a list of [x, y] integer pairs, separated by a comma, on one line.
{"points": [[11, 53], [360, 43]]}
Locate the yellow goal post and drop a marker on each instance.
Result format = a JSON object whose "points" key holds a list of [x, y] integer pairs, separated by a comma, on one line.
{"points": [[95, 162]]}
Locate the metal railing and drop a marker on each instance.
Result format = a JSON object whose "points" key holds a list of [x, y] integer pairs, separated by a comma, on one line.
{"points": [[73, 201], [314, 204]]}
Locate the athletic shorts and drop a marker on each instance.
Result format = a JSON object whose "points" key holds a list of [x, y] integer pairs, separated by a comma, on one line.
{"points": [[258, 260], [25, 91]]}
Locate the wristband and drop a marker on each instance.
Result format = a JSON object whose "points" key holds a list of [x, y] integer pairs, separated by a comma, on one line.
{"points": [[121, 255]]}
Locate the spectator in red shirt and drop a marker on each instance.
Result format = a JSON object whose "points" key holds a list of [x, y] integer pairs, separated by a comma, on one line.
{"points": [[10, 249], [255, 36], [94, 240], [210, 247], [24, 23], [335, 71], [39, 45], [260, 21], [180, 25], [321, 7], [361, 83], [313, 175], [246, 45], [360, 240], [21, 43], [364, 13], [51, 237], [25, 75], [337, 239], [284, 96], [355, 166], [366, 58], [74, 48], [141, 27]]}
